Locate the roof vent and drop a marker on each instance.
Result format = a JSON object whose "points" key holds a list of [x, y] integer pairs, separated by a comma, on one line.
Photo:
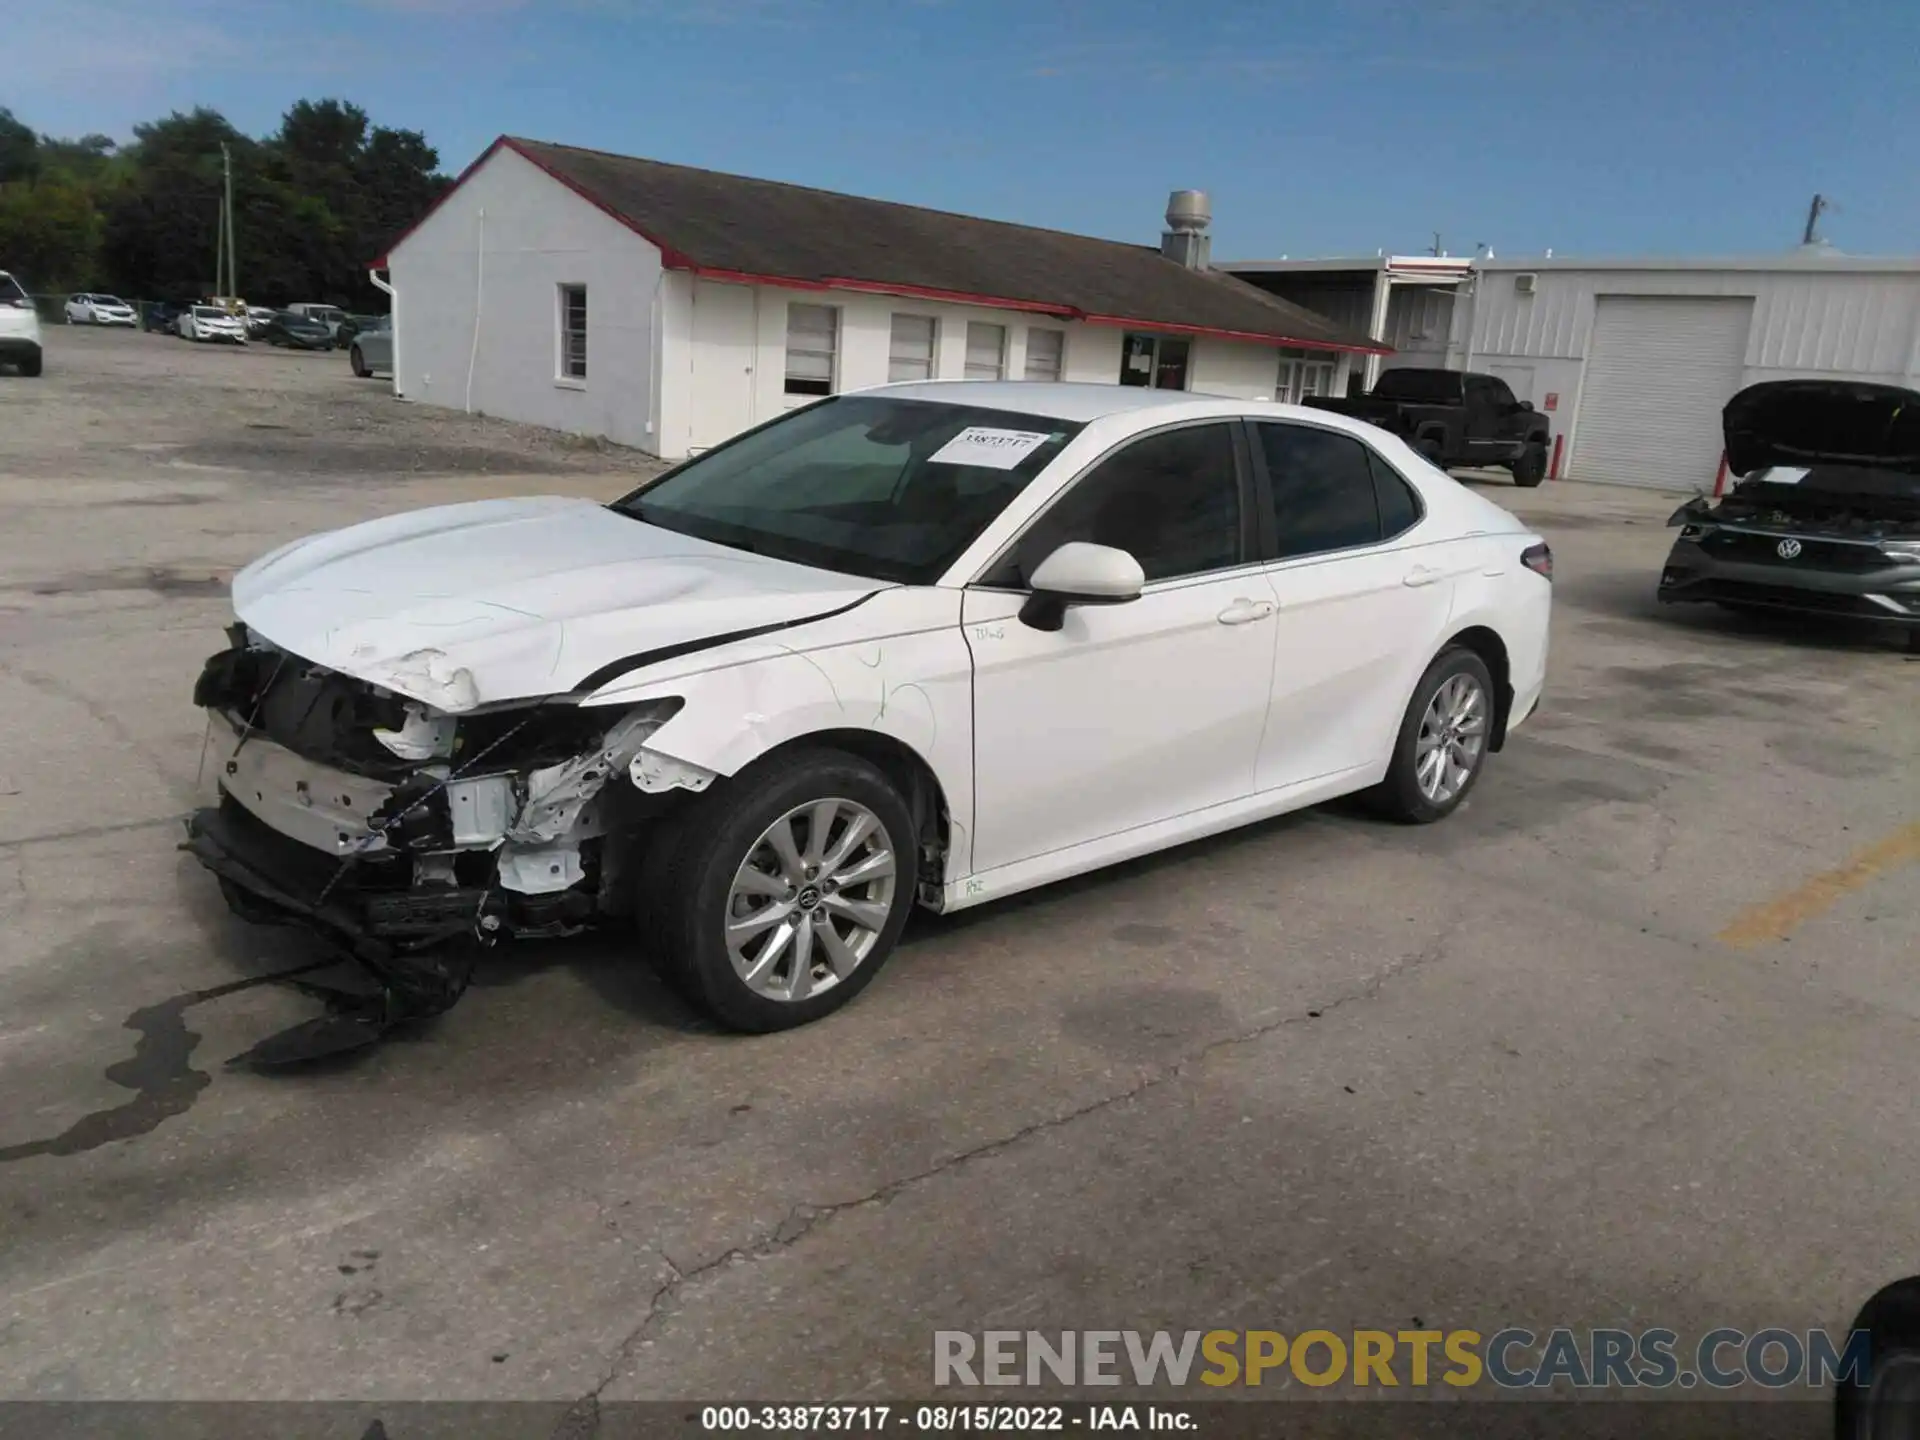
{"points": [[1185, 239]]}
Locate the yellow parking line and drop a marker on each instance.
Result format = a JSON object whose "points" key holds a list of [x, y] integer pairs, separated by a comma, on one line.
{"points": [[1776, 919]]}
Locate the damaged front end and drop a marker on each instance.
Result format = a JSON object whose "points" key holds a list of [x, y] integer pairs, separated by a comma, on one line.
{"points": [[406, 834]]}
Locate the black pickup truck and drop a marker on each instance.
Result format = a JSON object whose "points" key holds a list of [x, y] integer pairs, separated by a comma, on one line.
{"points": [[1455, 418]]}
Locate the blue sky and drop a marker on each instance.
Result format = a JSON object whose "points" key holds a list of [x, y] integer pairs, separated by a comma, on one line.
{"points": [[1611, 127]]}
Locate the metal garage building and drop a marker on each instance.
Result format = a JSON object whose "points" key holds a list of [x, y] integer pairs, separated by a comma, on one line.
{"points": [[1633, 359]]}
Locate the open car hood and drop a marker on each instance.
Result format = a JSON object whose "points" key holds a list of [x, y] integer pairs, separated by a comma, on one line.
{"points": [[497, 600], [1822, 422]]}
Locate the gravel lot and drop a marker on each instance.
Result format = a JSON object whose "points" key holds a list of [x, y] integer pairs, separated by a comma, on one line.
{"points": [[1625, 1041]]}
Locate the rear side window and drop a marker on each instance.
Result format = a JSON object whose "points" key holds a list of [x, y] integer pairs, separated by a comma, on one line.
{"points": [[1323, 490], [1171, 500], [1399, 509]]}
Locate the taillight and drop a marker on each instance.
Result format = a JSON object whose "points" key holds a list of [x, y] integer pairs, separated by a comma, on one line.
{"points": [[1538, 559]]}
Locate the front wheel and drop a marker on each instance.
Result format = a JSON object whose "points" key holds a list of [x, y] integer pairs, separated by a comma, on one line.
{"points": [[1442, 744], [782, 892], [1531, 468], [359, 363]]}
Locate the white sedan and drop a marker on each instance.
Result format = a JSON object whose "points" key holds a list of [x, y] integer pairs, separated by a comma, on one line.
{"points": [[91, 309], [928, 643], [210, 322]]}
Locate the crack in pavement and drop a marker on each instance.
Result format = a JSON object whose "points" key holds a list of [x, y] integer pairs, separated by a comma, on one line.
{"points": [[801, 1220]]}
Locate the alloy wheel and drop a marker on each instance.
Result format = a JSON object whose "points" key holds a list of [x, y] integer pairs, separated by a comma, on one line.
{"points": [[1453, 737], [808, 903]]}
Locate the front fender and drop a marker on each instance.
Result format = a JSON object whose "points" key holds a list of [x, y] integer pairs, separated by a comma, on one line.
{"points": [[896, 666]]}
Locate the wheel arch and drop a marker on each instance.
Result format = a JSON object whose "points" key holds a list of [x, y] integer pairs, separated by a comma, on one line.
{"points": [[1485, 642]]}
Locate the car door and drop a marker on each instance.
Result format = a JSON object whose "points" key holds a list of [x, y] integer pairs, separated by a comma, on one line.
{"points": [[1132, 713], [1363, 600]]}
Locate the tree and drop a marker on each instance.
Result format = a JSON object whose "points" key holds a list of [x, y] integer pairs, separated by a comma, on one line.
{"points": [[50, 234], [19, 150]]}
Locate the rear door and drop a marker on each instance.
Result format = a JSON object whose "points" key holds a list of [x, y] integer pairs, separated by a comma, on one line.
{"points": [[1363, 601]]}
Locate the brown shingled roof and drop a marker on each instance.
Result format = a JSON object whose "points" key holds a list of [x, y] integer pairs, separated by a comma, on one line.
{"points": [[730, 227]]}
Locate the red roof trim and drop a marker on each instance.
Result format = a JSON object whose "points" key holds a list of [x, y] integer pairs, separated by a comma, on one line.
{"points": [[1213, 332], [881, 287]]}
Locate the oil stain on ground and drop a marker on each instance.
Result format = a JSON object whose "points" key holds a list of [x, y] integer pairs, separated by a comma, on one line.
{"points": [[160, 1073]]}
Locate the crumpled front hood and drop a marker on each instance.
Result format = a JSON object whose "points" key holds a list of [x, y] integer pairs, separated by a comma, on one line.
{"points": [[466, 605], [1822, 422]]}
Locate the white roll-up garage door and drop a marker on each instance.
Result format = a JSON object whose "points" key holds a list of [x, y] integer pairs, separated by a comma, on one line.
{"points": [[1659, 369]]}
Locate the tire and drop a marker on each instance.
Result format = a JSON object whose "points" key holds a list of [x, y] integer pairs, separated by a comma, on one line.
{"points": [[31, 368], [1402, 796], [1531, 468], [1884, 1404], [359, 363], [689, 895]]}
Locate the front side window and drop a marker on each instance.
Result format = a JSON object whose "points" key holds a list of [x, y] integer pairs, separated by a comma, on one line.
{"points": [[867, 485], [1046, 350], [1171, 500], [1322, 484], [813, 333], [910, 349], [986, 351], [573, 332]]}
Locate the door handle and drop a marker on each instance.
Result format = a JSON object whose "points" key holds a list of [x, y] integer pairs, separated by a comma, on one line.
{"points": [[1423, 575], [1245, 612]]}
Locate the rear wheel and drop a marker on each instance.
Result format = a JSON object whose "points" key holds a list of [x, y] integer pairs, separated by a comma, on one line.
{"points": [[778, 896], [1443, 739], [32, 366], [1531, 468], [358, 362]]}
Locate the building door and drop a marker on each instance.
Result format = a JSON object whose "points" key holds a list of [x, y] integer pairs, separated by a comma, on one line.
{"points": [[1659, 369], [724, 335], [1302, 375]]}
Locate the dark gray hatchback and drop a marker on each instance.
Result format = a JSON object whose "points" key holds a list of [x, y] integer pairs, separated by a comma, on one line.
{"points": [[1826, 519]]}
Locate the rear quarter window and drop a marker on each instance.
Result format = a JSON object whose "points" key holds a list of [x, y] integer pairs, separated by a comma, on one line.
{"points": [[1399, 505]]}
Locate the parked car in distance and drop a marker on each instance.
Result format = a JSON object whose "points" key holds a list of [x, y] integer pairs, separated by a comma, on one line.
{"points": [[328, 315], [1826, 515], [295, 332], [19, 328], [163, 317], [92, 309], [353, 325], [931, 643], [210, 322], [372, 348], [1454, 417]]}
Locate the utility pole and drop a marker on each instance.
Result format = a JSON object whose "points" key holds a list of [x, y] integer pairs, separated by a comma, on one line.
{"points": [[1814, 211], [226, 220], [1436, 243]]}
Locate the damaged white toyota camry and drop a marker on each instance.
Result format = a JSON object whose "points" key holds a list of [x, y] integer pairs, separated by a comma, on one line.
{"points": [[930, 643]]}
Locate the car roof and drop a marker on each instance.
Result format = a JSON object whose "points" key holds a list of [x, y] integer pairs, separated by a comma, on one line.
{"points": [[1068, 400]]}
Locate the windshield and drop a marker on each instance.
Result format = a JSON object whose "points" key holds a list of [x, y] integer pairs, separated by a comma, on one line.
{"points": [[208, 312], [885, 488], [1422, 387], [114, 300], [10, 289]]}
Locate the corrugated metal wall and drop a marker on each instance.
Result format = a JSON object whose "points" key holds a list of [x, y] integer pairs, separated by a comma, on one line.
{"points": [[1862, 325]]}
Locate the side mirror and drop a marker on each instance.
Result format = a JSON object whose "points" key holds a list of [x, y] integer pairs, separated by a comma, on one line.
{"points": [[1080, 574]]}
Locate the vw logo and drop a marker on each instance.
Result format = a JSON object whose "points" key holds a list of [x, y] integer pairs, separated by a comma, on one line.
{"points": [[1788, 549]]}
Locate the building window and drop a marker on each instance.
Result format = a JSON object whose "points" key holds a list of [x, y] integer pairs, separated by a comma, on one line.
{"points": [[910, 353], [1046, 350], [986, 351], [573, 332], [812, 334], [1302, 375], [1156, 360]]}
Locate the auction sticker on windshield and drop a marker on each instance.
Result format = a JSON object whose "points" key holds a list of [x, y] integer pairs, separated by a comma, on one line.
{"points": [[983, 445]]}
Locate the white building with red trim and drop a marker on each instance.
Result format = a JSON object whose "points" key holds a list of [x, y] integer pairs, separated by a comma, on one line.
{"points": [[670, 308]]}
